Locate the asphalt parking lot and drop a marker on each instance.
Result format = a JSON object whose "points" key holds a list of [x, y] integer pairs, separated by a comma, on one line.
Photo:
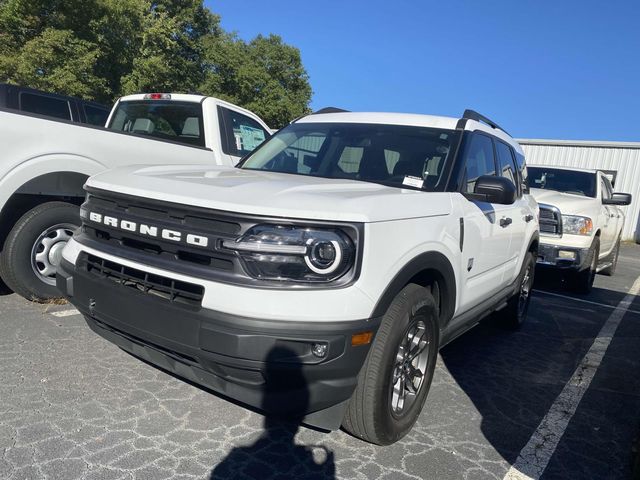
{"points": [[74, 406]]}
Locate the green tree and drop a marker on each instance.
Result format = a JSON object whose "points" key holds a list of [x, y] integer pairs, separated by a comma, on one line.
{"points": [[264, 75], [102, 49]]}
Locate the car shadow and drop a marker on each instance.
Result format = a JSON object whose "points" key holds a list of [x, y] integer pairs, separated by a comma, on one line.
{"points": [[513, 377], [275, 454], [4, 289]]}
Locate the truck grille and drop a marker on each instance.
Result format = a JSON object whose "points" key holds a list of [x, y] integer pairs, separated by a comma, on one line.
{"points": [[168, 289], [550, 220]]}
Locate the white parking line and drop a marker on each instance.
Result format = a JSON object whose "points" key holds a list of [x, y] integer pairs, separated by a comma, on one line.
{"points": [[582, 301], [534, 457], [65, 313]]}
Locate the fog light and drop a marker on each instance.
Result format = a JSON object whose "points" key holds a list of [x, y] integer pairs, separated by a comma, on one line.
{"points": [[319, 349], [566, 254]]}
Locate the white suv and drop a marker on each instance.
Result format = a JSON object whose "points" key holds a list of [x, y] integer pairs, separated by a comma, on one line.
{"points": [[320, 277]]}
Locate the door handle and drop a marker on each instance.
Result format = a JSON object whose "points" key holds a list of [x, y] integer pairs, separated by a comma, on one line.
{"points": [[528, 218], [505, 222]]}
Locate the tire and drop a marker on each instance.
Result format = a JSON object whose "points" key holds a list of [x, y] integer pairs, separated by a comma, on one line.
{"points": [[610, 270], [582, 282], [515, 313], [33, 247], [374, 412]]}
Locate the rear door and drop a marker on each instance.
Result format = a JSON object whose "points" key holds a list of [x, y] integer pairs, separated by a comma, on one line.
{"points": [[486, 246]]}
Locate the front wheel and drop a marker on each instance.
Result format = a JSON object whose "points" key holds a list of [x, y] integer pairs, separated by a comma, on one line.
{"points": [[396, 377], [611, 269], [33, 249], [582, 282]]}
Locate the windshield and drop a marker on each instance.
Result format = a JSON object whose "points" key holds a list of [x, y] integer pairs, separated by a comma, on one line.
{"points": [[566, 181], [393, 155], [166, 120]]}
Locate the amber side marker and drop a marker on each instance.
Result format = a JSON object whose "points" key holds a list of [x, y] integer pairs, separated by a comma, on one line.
{"points": [[363, 338]]}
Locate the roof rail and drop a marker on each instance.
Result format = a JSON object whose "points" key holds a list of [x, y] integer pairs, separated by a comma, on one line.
{"points": [[329, 110], [473, 115], [322, 110]]}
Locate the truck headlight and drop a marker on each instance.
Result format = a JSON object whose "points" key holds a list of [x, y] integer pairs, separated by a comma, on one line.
{"points": [[576, 225], [287, 253]]}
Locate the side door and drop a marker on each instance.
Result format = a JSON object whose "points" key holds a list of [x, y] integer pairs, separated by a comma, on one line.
{"points": [[517, 215], [486, 244], [609, 217], [239, 134]]}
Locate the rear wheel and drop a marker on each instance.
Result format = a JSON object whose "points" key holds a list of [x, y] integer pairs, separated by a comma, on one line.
{"points": [[33, 249], [582, 282], [395, 379], [515, 313]]}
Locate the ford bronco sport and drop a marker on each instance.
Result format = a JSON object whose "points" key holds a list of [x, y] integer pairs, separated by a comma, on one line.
{"points": [[346, 250]]}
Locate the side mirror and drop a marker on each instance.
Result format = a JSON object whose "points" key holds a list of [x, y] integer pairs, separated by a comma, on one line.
{"points": [[618, 199], [495, 190]]}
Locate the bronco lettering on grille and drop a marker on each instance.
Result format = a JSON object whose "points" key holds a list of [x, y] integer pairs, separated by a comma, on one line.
{"points": [[149, 230]]}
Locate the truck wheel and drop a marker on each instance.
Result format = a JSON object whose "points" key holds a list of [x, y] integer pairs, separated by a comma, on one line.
{"points": [[515, 313], [611, 269], [33, 249], [582, 282], [395, 379]]}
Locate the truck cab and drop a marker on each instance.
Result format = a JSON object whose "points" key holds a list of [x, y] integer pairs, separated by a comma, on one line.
{"points": [[194, 120]]}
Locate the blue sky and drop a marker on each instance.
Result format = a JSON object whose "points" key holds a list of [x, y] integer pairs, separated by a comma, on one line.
{"points": [[542, 69]]}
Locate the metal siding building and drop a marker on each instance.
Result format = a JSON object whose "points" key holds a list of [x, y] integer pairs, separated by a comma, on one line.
{"points": [[622, 157]]}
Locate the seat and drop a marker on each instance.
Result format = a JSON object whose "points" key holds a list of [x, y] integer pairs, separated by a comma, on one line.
{"points": [[143, 125], [191, 128]]}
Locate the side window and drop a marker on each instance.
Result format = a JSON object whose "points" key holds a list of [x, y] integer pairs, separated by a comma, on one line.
{"points": [[479, 161], [43, 105], [505, 163], [524, 175], [96, 115], [240, 134]]}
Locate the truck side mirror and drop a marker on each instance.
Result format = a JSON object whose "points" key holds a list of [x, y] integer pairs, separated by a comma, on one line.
{"points": [[620, 199], [495, 189]]}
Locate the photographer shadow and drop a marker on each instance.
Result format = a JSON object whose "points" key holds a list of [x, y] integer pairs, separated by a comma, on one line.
{"points": [[275, 454]]}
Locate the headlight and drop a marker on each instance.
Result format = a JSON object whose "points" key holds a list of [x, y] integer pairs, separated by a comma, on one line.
{"points": [[576, 225], [285, 253]]}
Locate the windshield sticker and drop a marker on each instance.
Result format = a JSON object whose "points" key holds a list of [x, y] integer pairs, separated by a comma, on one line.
{"points": [[251, 137], [413, 181]]}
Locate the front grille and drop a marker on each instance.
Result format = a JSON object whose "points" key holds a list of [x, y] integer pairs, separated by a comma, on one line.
{"points": [[168, 289], [550, 220], [208, 261]]}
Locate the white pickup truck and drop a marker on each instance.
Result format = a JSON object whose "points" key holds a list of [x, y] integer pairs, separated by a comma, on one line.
{"points": [[580, 222], [45, 162]]}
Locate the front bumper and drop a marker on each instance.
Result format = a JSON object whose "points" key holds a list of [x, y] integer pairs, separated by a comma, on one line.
{"points": [[266, 364], [549, 255]]}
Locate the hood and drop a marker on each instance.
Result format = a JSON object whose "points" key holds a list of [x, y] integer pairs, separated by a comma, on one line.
{"points": [[272, 194], [568, 203]]}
